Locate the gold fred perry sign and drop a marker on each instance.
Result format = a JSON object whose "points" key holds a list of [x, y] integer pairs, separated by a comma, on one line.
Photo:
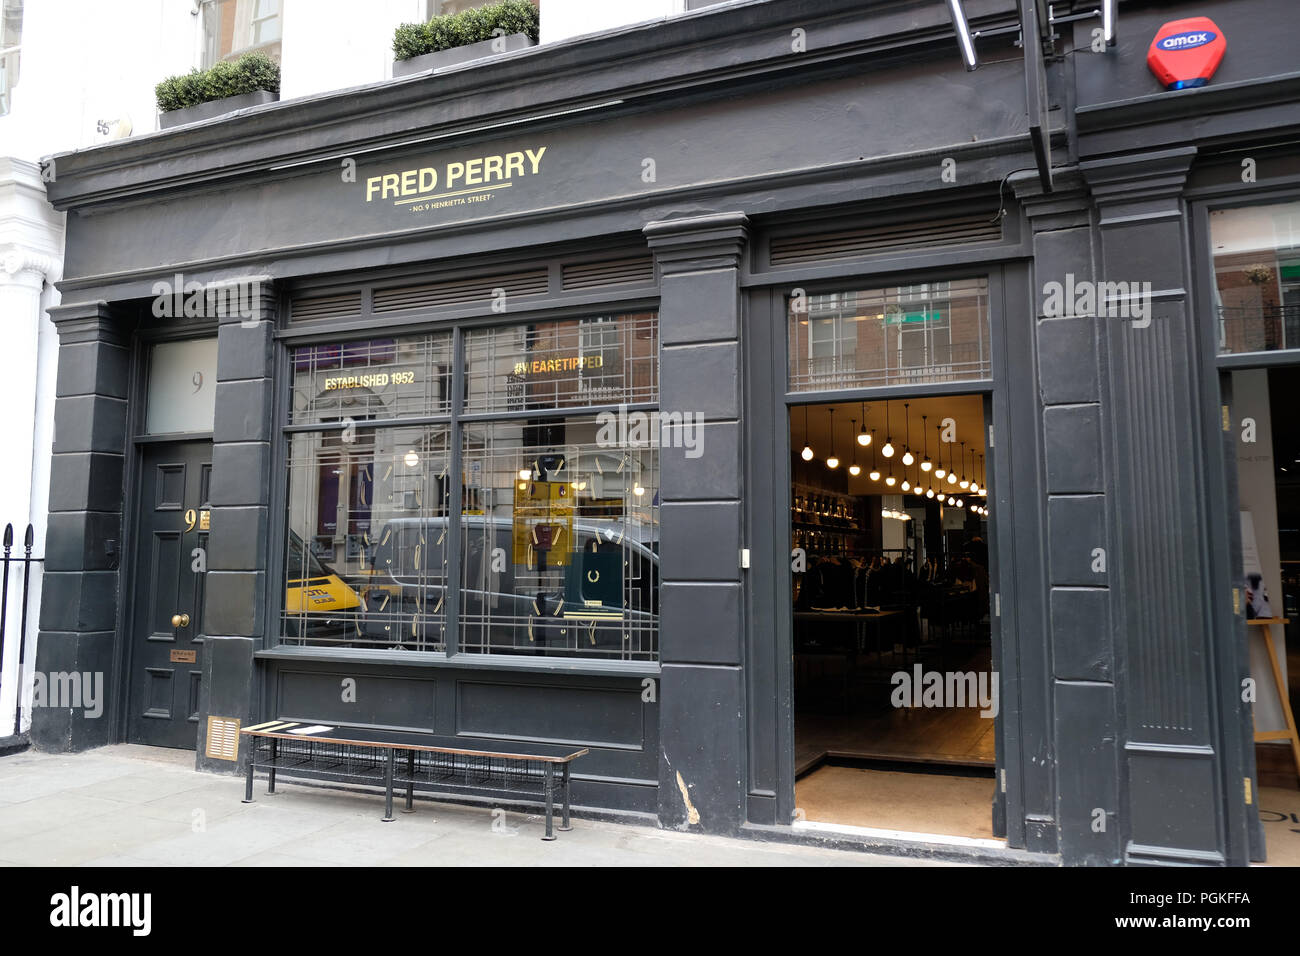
{"points": [[481, 172]]}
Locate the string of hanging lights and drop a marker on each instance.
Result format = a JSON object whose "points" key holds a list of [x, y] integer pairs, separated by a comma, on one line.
{"points": [[933, 480]]}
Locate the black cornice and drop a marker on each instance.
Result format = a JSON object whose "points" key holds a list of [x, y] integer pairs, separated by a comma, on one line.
{"points": [[644, 66]]}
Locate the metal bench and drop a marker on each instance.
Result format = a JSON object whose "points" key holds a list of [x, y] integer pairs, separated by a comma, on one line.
{"points": [[415, 761]]}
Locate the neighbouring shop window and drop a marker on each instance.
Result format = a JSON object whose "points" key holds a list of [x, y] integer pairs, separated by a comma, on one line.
{"points": [[234, 27], [932, 332], [1257, 277], [557, 511], [11, 35], [182, 391]]}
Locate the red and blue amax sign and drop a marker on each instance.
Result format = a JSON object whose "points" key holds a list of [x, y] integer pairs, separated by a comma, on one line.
{"points": [[1185, 53]]}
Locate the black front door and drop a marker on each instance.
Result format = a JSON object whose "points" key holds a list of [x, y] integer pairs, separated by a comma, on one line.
{"points": [[167, 630]]}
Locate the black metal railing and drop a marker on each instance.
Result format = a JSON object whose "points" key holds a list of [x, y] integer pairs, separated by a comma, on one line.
{"points": [[16, 565]]}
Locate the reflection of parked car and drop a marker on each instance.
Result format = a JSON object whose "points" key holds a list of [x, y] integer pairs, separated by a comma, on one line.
{"points": [[318, 605], [599, 596]]}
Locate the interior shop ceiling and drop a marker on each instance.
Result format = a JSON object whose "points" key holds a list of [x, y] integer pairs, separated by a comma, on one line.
{"points": [[966, 411]]}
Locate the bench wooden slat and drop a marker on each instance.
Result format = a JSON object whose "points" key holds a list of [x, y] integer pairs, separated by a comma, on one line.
{"points": [[410, 744]]}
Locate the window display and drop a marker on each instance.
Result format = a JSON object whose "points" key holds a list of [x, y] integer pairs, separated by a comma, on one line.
{"points": [[550, 527]]}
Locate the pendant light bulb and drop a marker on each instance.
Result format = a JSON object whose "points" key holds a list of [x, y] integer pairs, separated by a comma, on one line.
{"points": [[890, 481], [908, 457], [807, 453], [888, 450], [863, 438], [906, 485], [929, 492], [832, 462], [854, 469], [875, 472]]}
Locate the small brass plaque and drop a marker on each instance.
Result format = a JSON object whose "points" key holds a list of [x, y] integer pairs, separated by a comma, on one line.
{"points": [[184, 657], [223, 738]]}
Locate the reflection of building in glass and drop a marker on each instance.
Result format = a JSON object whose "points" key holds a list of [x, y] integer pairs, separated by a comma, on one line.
{"points": [[931, 332], [1257, 277]]}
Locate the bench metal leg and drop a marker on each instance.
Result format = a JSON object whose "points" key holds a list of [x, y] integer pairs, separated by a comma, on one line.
{"points": [[248, 779], [388, 785], [410, 784], [270, 779], [548, 785], [564, 785]]}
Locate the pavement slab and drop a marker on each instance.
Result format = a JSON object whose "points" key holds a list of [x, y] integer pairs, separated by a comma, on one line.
{"points": [[129, 806]]}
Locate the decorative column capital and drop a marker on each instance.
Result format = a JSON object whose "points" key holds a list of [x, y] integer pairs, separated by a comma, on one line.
{"points": [[1066, 206], [94, 321], [699, 243], [24, 264], [1138, 184]]}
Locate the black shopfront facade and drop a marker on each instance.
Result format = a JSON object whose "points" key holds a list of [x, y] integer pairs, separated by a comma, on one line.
{"points": [[452, 298]]}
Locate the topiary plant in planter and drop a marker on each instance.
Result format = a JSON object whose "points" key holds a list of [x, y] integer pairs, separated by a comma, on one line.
{"points": [[469, 35], [229, 85]]}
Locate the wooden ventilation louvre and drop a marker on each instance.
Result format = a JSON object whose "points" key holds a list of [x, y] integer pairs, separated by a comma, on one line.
{"points": [[856, 243], [630, 270], [342, 305], [478, 290]]}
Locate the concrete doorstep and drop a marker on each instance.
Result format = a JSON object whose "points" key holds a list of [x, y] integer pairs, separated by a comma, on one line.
{"points": [[142, 806]]}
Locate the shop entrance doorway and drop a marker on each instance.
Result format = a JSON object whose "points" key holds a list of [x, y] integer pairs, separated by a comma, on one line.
{"points": [[166, 637], [896, 697]]}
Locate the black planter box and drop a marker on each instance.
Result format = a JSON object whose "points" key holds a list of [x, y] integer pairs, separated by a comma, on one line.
{"points": [[204, 111], [460, 54]]}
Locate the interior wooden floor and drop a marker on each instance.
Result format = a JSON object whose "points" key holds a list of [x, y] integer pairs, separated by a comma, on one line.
{"points": [[862, 724]]}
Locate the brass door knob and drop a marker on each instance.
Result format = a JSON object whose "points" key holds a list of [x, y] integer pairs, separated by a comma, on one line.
{"points": [[180, 620]]}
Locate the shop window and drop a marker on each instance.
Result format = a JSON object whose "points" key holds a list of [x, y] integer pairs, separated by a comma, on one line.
{"points": [[560, 534], [384, 378], [234, 27], [933, 332], [366, 549], [565, 364], [557, 512], [11, 35], [1257, 277]]}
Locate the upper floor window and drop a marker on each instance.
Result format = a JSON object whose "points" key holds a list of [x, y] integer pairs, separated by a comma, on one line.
{"points": [[234, 27], [11, 34], [441, 8], [1257, 277]]}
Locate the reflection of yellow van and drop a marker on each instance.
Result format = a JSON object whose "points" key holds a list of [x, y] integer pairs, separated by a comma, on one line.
{"points": [[321, 592]]}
